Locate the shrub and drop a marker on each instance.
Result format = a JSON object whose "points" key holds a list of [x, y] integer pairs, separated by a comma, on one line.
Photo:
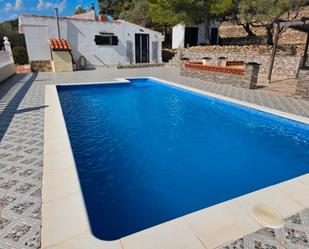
{"points": [[20, 55]]}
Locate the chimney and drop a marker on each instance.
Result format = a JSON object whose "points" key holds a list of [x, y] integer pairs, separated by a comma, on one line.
{"points": [[103, 16]]}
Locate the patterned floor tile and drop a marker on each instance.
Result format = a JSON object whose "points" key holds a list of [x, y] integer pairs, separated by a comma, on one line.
{"points": [[294, 235]]}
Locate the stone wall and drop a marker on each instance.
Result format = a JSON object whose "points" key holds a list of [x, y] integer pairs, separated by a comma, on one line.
{"points": [[248, 78], [293, 49], [233, 32], [246, 40], [41, 66], [302, 88], [286, 66], [140, 65]]}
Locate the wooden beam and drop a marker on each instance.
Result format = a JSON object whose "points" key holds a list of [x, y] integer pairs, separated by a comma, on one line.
{"points": [[300, 23], [273, 53], [305, 52]]}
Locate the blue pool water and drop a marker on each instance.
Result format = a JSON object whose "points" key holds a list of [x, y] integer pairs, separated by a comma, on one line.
{"points": [[147, 153]]}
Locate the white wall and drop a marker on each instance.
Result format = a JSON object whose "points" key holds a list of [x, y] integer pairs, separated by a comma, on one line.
{"points": [[37, 42], [7, 67], [178, 36], [81, 34]]}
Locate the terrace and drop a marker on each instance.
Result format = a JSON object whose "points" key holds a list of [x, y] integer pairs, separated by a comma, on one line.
{"points": [[22, 108]]}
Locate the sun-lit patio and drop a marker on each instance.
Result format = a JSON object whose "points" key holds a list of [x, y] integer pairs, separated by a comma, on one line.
{"points": [[154, 124]]}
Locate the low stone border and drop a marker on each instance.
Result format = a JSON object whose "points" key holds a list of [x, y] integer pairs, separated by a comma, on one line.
{"points": [[140, 65], [64, 218]]}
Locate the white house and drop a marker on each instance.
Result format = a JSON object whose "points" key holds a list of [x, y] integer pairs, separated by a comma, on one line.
{"points": [[102, 43], [187, 36]]}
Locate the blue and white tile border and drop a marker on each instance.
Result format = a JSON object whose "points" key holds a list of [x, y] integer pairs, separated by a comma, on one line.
{"points": [[64, 218]]}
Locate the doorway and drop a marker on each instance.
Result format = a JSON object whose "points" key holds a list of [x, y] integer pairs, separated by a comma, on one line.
{"points": [[191, 36], [141, 48], [214, 36]]}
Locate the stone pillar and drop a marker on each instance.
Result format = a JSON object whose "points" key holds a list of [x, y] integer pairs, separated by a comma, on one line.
{"points": [[302, 88], [251, 74], [183, 61], [179, 52], [206, 60], [222, 61]]}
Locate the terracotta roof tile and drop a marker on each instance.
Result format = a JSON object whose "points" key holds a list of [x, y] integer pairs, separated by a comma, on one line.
{"points": [[56, 44]]}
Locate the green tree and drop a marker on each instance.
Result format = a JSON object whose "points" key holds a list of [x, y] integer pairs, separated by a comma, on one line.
{"points": [[202, 11], [20, 55], [136, 12], [117, 7], [80, 10], [10, 29], [162, 15], [264, 13]]}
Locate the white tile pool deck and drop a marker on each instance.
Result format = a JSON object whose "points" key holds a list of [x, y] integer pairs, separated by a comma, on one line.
{"points": [[64, 218]]}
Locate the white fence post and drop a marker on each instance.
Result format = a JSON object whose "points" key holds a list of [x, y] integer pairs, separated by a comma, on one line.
{"points": [[7, 47]]}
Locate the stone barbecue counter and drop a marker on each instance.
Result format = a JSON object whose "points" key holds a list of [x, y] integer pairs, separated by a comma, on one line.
{"points": [[245, 77]]}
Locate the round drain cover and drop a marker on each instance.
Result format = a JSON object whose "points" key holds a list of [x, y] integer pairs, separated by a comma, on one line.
{"points": [[268, 216]]}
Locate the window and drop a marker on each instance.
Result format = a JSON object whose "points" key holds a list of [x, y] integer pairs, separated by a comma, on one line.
{"points": [[106, 40]]}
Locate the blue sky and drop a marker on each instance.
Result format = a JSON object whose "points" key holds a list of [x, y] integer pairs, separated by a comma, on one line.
{"points": [[10, 9]]}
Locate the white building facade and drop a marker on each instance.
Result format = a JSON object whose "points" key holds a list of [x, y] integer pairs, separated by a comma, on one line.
{"points": [[187, 36], [101, 43]]}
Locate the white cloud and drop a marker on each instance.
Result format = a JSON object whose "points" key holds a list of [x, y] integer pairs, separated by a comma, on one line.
{"points": [[49, 5], [8, 7], [45, 5], [18, 5], [62, 5], [41, 5]]}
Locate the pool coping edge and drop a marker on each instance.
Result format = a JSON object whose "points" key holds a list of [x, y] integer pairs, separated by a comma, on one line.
{"points": [[56, 139]]}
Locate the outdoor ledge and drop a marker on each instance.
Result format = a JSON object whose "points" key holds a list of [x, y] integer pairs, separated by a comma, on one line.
{"points": [[215, 69], [65, 223]]}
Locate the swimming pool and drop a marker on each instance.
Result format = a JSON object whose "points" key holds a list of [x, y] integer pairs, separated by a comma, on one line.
{"points": [[147, 152]]}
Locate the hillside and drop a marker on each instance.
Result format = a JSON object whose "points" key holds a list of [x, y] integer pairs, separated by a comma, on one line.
{"points": [[230, 31]]}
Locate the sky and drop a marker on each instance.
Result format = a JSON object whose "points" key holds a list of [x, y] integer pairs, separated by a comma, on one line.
{"points": [[10, 9]]}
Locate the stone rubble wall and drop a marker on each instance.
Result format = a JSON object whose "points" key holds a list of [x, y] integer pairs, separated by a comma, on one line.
{"points": [[41, 66], [231, 32], [292, 49], [140, 65], [286, 66], [302, 88]]}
